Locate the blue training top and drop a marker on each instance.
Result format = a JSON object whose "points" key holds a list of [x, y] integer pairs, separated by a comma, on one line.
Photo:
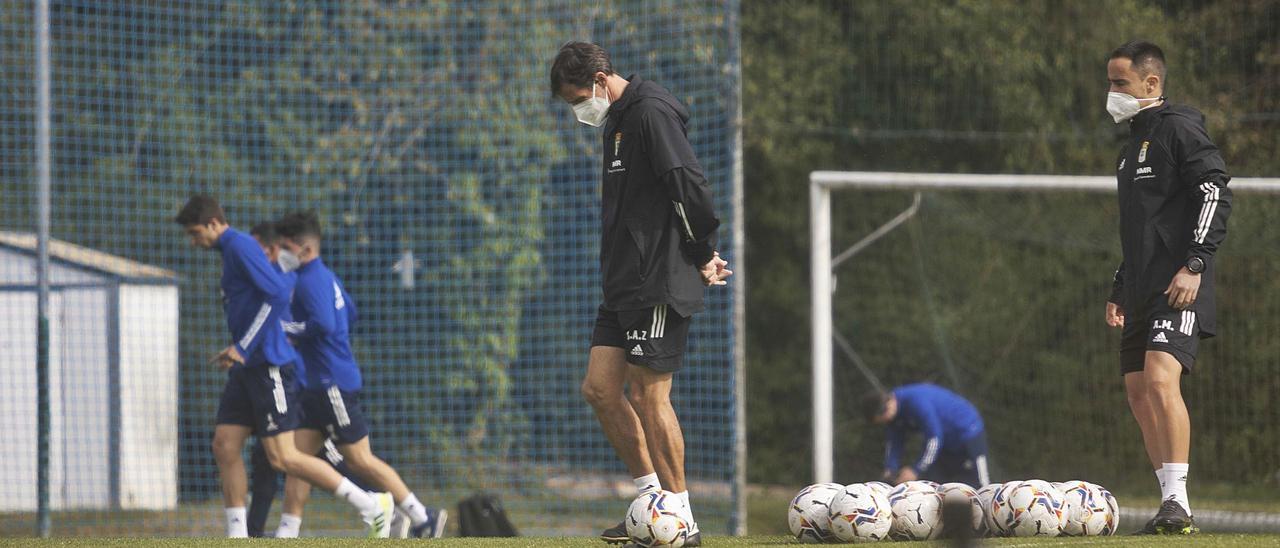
{"points": [[944, 418], [254, 296], [323, 314]]}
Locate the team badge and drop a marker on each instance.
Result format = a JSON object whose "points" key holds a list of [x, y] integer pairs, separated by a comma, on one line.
{"points": [[1142, 154]]}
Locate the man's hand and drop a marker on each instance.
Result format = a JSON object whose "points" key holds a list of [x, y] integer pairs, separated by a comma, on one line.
{"points": [[1115, 315], [715, 271], [904, 475], [1183, 289], [228, 358]]}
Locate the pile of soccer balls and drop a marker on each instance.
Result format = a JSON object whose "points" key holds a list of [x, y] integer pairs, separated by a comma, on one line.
{"points": [[873, 511], [654, 519]]}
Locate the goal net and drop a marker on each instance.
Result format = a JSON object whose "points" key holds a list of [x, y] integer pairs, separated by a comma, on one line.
{"points": [[994, 286]]}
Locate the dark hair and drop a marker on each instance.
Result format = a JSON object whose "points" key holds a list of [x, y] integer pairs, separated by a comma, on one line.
{"points": [[873, 403], [1146, 57], [299, 224], [201, 209], [577, 64], [265, 232]]}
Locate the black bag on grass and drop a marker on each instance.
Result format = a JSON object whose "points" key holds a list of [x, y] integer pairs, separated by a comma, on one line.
{"points": [[481, 515]]}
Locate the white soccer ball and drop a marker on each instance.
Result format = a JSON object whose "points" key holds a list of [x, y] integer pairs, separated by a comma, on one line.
{"points": [[1031, 508], [999, 507], [810, 514], [963, 493], [1085, 510], [1113, 510], [985, 497], [656, 519], [917, 512], [860, 514]]}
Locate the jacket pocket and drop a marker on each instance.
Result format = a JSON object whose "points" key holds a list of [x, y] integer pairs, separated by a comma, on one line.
{"points": [[638, 239]]}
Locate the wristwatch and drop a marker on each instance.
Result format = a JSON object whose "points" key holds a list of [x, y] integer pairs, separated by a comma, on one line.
{"points": [[1195, 265]]}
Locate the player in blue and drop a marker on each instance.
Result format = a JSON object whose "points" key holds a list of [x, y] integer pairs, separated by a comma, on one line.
{"points": [[260, 396], [955, 441], [264, 481], [323, 313]]}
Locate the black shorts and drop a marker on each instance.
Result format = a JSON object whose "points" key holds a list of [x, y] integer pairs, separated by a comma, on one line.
{"points": [[1176, 332], [335, 412], [652, 337], [263, 397]]}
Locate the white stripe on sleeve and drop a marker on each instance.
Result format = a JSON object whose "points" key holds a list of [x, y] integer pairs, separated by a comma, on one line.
{"points": [[258, 320]]}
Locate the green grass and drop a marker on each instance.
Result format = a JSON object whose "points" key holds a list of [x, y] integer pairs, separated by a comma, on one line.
{"points": [[1228, 541]]}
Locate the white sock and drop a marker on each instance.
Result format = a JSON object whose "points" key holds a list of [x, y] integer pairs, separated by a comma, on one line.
{"points": [[688, 510], [415, 510], [1160, 478], [1175, 480], [289, 526], [645, 484], [363, 501], [237, 527]]}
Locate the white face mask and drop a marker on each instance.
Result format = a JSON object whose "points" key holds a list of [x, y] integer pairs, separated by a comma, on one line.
{"points": [[1123, 106], [593, 111], [288, 261]]}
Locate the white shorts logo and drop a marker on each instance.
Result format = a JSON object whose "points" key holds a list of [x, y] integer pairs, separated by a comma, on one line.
{"points": [[1160, 338], [637, 351]]}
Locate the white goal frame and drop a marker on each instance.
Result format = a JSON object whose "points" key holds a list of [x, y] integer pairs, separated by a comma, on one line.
{"points": [[821, 263]]}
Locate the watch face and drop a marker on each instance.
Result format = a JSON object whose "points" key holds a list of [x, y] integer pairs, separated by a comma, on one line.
{"points": [[1196, 265]]}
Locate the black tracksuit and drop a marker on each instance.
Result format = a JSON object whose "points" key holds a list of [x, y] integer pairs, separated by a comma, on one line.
{"points": [[1174, 205], [658, 222]]}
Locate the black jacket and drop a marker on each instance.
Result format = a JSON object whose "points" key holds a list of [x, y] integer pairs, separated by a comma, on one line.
{"points": [[1174, 204], [658, 222]]}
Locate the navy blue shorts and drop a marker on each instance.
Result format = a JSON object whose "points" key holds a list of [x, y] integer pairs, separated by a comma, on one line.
{"points": [[262, 397], [964, 464], [335, 412]]}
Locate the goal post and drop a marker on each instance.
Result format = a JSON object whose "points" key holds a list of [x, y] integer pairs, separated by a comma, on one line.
{"points": [[821, 185]]}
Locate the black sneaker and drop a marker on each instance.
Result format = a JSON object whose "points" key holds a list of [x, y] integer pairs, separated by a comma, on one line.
{"points": [[1148, 529], [1172, 519], [616, 534]]}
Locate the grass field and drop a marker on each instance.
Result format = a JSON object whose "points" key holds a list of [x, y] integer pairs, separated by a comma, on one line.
{"points": [[1228, 541]]}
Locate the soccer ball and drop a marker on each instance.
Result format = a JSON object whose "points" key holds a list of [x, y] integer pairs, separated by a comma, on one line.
{"points": [[1030, 508], [909, 487], [860, 514], [917, 512], [965, 494], [985, 497], [655, 519], [1085, 511], [810, 514], [1113, 510], [999, 507]]}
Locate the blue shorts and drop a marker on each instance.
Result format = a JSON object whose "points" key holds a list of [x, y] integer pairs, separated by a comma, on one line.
{"points": [[263, 397], [335, 412]]}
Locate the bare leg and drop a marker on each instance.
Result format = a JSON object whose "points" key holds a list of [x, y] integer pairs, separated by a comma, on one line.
{"points": [[296, 490], [1135, 387], [1163, 379], [651, 398], [603, 389], [362, 461], [284, 455], [228, 444]]}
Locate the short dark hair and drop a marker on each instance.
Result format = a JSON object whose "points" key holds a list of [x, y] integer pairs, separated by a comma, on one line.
{"points": [[265, 232], [1147, 58], [873, 404], [299, 224], [577, 64], [201, 209]]}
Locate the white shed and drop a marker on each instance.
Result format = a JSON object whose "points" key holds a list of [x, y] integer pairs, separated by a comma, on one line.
{"points": [[113, 379]]}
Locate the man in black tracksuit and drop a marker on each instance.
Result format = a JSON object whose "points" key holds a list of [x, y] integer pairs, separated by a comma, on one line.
{"points": [[1174, 204], [657, 253]]}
